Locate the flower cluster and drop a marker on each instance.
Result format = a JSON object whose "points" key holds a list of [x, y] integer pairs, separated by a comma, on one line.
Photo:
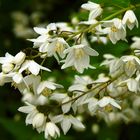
{"points": [[48, 105]]}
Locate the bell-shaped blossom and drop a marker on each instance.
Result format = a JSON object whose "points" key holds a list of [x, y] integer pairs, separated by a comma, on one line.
{"points": [[81, 83], [55, 47], [94, 8], [51, 130], [136, 43], [130, 19], [38, 120], [67, 121], [45, 87], [78, 56], [115, 30]]}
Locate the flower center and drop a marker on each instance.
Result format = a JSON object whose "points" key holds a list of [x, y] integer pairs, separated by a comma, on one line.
{"points": [[59, 47], [46, 92], [114, 29], [79, 53]]}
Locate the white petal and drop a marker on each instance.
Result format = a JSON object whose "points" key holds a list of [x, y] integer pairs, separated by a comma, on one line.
{"points": [[132, 85], [58, 97], [34, 68], [90, 6], [18, 78], [76, 123], [112, 102], [66, 107], [65, 125], [57, 118], [91, 51], [103, 102], [40, 30], [30, 116], [26, 109]]}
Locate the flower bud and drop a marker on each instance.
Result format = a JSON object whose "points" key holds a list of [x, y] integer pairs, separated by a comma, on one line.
{"points": [[7, 67], [38, 120], [19, 58]]}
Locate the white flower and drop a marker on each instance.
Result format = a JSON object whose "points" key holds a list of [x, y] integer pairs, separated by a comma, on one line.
{"points": [[108, 100], [32, 66], [66, 121], [47, 86], [31, 111], [30, 81], [18, 59], [78, 56], [51, 130], [81, 83], [115, 30], [95, 9], [11, 65], [55, 47], [44, 33], [131, 63], [63, 26], [132, 84], [115, 64], [130, 19], [38, 120], [136, 43]]}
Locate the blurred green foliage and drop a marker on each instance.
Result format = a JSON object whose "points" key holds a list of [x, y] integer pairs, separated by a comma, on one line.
{"points": [[12, 126]]}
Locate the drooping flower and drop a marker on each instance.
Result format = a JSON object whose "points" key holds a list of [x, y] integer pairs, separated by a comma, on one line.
{"points": [[136, 43], [115, 30], [45, 87], [130, 19], [78, 56], [56, 47], [81, 83], [51, 130], [38, 120], [67, 121], [94, 8]]}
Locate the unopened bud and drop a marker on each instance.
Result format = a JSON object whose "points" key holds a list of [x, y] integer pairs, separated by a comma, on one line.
{"points": [[38, 120], [19, 58]]}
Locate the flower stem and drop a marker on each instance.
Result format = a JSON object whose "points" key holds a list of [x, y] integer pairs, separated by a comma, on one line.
{"points": [[105, 85]]}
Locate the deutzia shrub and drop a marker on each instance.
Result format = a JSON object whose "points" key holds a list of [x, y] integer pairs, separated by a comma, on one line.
{"points": [[50, 106]]}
